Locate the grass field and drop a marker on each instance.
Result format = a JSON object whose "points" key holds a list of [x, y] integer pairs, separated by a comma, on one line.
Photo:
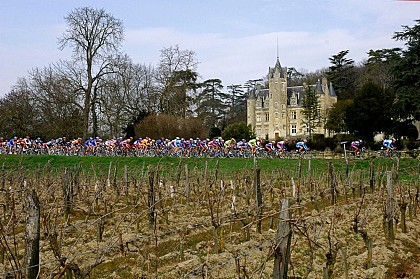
{"points": [[31, 165], [36, 162]]}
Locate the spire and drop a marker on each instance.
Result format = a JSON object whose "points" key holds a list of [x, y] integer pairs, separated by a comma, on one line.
{"points": [[318, 87], [332, 91], [278, 66]]}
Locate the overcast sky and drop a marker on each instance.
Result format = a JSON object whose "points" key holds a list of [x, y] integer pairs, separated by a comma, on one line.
{"points": [[234, 40]]}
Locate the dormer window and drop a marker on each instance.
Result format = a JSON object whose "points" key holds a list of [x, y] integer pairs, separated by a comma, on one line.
{"points": [[293, 100]]}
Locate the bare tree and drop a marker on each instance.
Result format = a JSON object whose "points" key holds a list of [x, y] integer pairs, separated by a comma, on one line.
{"points": [[176, 79], [126, 94], [58, 109], [95, 36], [17, 117]]}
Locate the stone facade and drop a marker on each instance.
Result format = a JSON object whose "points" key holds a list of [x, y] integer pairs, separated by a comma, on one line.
{"points": [[276, 112]]}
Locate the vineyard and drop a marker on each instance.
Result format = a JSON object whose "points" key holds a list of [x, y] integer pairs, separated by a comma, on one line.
{"points": [[63, 217]]}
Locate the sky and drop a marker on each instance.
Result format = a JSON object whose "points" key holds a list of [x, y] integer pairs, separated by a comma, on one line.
{"points": [[234, 40]]}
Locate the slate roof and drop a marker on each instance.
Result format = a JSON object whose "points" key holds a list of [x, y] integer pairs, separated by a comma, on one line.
{"points": [[318, 88], [298, 90], [262, 93], [332, 91], [252, 95]]}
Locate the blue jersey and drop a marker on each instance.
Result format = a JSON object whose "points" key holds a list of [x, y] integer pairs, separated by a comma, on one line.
{"points": [[301, 144], [388, 143], [11, 142]]}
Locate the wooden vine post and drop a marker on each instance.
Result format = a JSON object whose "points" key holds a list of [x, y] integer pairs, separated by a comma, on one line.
{"points": [[333, 183], [126, 182], [372, 176], [389, 208], [151, 198], [283, 242], [32, 234], [3, 178], [67, 188], [187, 184], [258, 198]]}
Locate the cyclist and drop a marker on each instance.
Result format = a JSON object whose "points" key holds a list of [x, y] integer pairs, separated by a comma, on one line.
{"points": [[214, 145], [270, 146], [126, 145], [355, 147], [253, 144], [11, 145], [301, 146], [229, 145], [203, 146], [241, 145], [176, 145], [76, 144], [2, 144], [388, 144], [282, 145]]}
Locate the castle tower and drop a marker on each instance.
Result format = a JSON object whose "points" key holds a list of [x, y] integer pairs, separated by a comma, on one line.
{"points": [[250, 106], [277, 84]]}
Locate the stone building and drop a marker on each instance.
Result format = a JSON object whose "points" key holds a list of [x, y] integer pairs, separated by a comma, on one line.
{"points": [[276, 112]]}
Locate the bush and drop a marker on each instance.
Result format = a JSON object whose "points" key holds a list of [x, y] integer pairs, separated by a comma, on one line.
{"points": [[238, 131], [319, 142], [410, 144], [215, 132], [168, 126]]}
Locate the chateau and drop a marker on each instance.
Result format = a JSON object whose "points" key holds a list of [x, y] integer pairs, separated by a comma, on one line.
{"points": [[277, 112]]}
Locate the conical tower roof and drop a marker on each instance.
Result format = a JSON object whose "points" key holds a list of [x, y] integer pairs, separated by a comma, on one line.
{"points": [[332, 91], [318, 87], [252, 95], [280, 69]]}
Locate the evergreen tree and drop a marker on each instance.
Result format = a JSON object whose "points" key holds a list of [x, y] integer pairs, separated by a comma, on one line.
{"points": [[211, 103], [341, 74], [311, 109], [369, 113], [407, 73], [237, 103], [294, 77], [336, 120], [379, 64]]}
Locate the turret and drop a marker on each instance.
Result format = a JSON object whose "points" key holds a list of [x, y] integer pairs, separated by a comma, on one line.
{"points": [[250, 106]]}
